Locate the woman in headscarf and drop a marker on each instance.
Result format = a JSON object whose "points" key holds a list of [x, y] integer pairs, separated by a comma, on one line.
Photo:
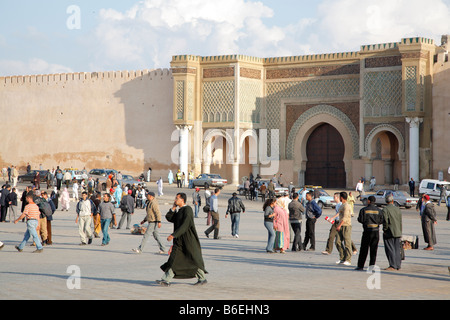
{"points": [[281, 226], [160, 187], [170, 177], [65, 200], [118, 195]]}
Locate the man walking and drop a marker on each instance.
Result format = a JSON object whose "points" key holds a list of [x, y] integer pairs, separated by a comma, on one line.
{"points": [[196, 201], [32, 213], [234, 208], [344, 229], [392, 232], [313, 212], [15, 176], [106, 212], [371, 217], [214, 211], [85, 210], [153, 218], [127, 208], [185, 260], [49, 218], [428, 219]]}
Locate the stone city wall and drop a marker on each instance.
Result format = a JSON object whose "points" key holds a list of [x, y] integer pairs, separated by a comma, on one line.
{"points": [[120, 120]]}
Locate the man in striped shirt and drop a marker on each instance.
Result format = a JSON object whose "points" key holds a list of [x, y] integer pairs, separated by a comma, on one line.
{"points": [[32, 213]]}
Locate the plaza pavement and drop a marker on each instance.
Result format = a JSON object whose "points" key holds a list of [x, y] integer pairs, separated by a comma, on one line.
{"points": [[239, 269]]}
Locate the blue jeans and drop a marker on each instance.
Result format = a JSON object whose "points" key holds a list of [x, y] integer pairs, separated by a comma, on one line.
{"points": [[271, 231], [105, 227], [196, 210], [235, 218], [31, 232]]}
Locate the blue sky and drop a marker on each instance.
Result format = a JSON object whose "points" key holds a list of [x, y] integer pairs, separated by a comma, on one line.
{"points": [[133, 35]]}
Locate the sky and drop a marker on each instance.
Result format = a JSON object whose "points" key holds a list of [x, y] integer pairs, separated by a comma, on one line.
{"points": [[63, 36]]}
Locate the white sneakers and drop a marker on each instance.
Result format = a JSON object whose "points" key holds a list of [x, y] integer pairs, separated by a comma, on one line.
{"points": [[345, 263]]}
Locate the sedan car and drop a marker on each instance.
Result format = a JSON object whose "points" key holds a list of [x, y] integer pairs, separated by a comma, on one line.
{"points": [[324, 200], [207, 180], [29, 177], [401, 198], [127, 179]]}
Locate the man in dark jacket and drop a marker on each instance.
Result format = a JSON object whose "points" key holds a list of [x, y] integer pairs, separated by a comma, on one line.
{"points": [[4, 203], [428, 220], [127, 207], [313, 212], [234, 208], [392, 232], [185, 260], [295, 219], [371, 217]]}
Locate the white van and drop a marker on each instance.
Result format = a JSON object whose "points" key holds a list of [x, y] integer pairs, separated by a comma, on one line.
{"points": [[432, 188]]}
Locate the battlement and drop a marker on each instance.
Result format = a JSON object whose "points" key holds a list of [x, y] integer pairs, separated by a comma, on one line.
{"points": [[417, 40], [220, 58], [379, 46], [81, 76], [313, 57]]}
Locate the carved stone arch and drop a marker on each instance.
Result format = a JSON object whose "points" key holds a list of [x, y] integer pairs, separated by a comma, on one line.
{"points": [[315, 111], [253, 146], [389, 128]]}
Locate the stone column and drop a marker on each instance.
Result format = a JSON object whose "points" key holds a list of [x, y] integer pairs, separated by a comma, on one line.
{"points": [[184, 150], [235, 177], [414, 124]]}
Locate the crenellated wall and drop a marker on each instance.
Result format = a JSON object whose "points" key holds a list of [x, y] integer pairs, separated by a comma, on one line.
{"points": [[118, 119]]}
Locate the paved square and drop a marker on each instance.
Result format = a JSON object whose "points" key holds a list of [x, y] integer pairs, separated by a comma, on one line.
{"points": [[238, 269]]}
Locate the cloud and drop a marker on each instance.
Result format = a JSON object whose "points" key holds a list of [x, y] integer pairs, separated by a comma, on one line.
{"points": [[344, 25], [149, 33], [31, 67], [152, 31]]}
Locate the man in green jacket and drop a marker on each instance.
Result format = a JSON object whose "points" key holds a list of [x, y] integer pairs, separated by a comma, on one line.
{"points": [[392, 232]]}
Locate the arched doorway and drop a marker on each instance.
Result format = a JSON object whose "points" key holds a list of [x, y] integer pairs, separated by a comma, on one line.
{"points": [[325, 151]]}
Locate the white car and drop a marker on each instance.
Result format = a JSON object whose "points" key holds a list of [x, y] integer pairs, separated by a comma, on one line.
{"points": [[431, 187]]}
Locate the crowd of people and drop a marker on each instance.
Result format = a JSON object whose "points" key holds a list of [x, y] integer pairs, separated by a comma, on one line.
{"points": [[283, 216]]}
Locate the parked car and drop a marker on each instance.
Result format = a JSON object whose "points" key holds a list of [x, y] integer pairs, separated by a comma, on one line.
{"points": [[279, 190], [128, 179], [325, 200], [207, 180], [29, 177], [102, 175], [401, 198], [432, 188]]}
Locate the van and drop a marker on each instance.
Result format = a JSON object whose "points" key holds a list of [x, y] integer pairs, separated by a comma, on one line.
{"points": [[432, 188]]}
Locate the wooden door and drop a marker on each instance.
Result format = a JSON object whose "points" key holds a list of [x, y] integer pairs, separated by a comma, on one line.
{"points": [[325, 151]]}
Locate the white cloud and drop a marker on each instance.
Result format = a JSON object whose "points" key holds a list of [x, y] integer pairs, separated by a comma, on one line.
{"points": [[32, 66], [152, 31], [346, 24]]}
